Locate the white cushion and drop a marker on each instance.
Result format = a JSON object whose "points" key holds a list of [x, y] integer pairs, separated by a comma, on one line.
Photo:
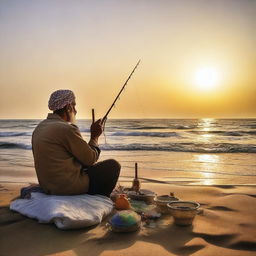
{"points": [[66, 212]]}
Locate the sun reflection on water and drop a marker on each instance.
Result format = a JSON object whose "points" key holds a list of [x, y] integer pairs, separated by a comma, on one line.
{"points": [[206, 125], [207, 182], [206, 160]]}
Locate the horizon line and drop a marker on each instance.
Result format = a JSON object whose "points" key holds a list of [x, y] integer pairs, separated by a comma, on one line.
{"points": [[137, 118]]}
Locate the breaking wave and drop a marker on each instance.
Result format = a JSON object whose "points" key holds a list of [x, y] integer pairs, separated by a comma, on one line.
{"points": [[11, 145], [14, 134], [175, 147], [147, 134], [186, 147]]}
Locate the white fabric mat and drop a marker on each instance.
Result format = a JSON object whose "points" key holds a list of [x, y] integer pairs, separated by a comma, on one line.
{"points": [[66, 212]]}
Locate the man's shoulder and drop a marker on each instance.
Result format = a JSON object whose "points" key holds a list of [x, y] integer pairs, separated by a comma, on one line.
{"points": [[54, 125], [67, 128], [64, 126]]}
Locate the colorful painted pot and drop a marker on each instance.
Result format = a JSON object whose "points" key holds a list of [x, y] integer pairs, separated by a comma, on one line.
{"points": [[125, 221]]}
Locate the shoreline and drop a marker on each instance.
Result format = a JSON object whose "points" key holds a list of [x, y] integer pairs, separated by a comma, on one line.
{"points": [[171, 168], [157, 182]]}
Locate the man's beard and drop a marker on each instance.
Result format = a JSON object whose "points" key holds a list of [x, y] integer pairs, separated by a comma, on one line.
{"points": [[72, 117]]}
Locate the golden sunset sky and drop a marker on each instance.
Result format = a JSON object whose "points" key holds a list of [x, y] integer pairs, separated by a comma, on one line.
{"points": [[198, 57]]}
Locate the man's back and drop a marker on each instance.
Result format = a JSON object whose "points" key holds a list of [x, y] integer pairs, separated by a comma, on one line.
{"points": [[59, 154]]}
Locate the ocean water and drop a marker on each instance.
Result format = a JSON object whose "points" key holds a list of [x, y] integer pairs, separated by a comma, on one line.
{"points": [[180, 151]]}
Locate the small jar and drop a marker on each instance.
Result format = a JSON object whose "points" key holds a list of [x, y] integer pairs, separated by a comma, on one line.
{"points": [[122, 202]]}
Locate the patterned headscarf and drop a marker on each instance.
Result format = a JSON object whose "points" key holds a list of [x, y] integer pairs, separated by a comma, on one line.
{"points": [[60, 98]]}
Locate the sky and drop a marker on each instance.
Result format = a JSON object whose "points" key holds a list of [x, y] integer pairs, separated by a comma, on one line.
{"points": [[198, 57]]}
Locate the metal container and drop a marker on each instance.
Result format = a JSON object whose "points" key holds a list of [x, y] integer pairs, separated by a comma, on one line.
{"points": [[162, 201], [143, 195], [183, 212]]}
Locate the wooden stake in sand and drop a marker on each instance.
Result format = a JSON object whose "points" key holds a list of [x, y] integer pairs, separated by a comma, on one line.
{"points": [[93, 116], [136, 171], [136, 182]]}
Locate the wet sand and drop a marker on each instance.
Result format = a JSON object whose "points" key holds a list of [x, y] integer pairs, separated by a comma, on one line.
{"points": [[180, 168], [227, 226]]}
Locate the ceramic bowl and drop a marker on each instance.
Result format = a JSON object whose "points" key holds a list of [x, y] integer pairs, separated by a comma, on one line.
{"points": [[183, 212], [162, 201]]}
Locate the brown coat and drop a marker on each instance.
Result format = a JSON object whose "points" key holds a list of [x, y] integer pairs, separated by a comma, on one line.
{"points": [[59, 153]]}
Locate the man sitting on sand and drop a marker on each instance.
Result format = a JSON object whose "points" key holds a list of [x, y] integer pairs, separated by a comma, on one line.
{"points": [[66, 164]]}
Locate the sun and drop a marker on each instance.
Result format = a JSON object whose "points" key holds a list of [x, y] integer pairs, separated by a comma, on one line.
{"points": [[207, 78]]}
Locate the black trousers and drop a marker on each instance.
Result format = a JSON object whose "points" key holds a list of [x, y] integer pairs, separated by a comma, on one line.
{"points": [[103, 177]]}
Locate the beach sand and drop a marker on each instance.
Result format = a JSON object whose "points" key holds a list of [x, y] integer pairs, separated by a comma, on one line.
{"points": [[227, 226]]}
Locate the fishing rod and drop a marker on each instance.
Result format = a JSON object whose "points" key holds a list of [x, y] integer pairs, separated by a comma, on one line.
{"points": [[113, 104]]}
